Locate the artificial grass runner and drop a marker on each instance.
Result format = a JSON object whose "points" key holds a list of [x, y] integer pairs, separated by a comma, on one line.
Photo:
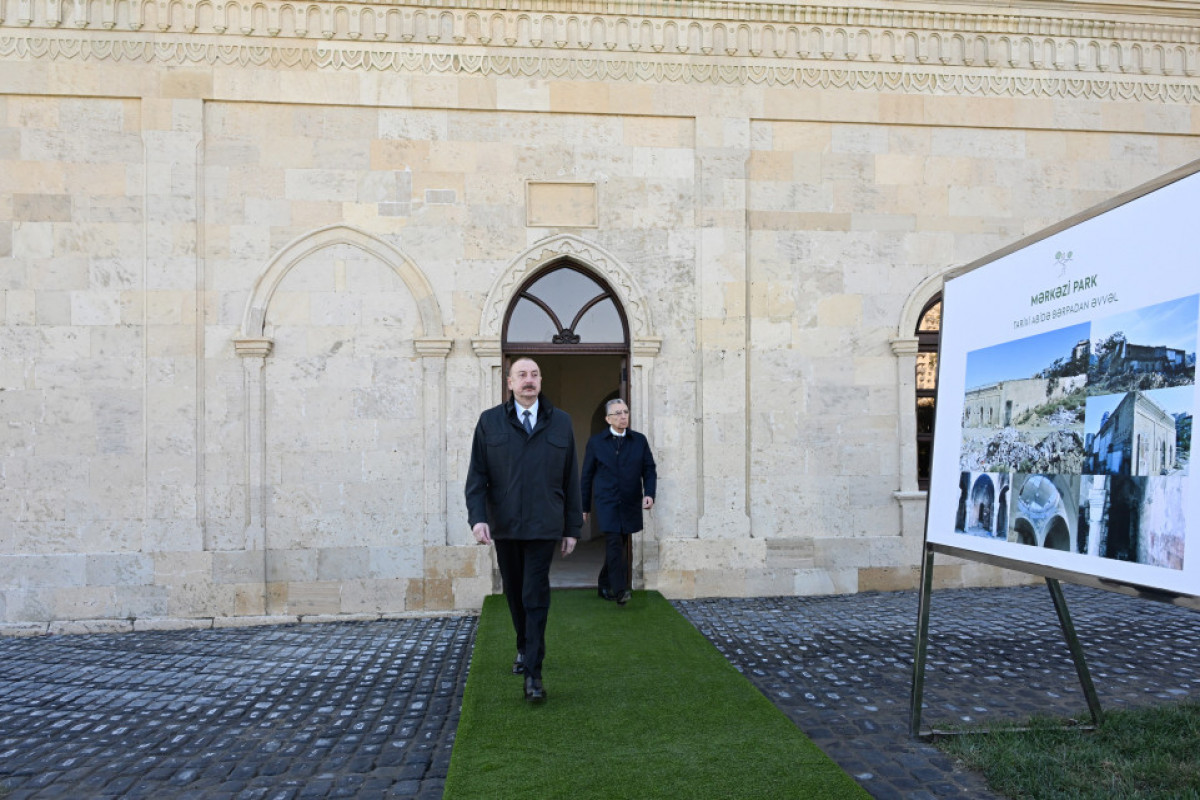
{"points": [[640, 705]]}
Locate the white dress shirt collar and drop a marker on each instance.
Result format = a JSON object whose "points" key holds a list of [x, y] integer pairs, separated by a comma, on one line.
{"points": [[533, 409]]}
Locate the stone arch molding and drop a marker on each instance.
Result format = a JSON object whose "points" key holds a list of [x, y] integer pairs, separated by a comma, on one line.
{"points": [[254, 318], [904, 348], [253, 347], [644, 340], [592, 258]]}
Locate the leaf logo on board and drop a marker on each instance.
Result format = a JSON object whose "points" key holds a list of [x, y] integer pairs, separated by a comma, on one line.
{"points": [[1062, 259]]}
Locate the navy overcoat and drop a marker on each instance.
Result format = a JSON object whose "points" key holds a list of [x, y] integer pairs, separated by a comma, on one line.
{"points": [[617, 473]]}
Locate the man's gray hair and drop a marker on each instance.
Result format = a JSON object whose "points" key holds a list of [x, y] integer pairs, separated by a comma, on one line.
{"points": [[608, 406]]}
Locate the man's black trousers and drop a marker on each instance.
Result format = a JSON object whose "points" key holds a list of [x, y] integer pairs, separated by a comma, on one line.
{"points": [[614, 576], [525, 570]]}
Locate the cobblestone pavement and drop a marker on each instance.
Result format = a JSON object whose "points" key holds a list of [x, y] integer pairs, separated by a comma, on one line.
{"points": [[363, 710], [369, 709], [841, 668]]}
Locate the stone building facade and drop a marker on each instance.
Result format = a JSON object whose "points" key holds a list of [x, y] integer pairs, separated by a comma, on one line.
{"points": [[1004, 403], [258, 259], [1138, 438], [1127, 357]]}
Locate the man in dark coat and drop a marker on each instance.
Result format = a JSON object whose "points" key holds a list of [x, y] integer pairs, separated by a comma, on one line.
{"points": [[619, 473], [522, 494]]}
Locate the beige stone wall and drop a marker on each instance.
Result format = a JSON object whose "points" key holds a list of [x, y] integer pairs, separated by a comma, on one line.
{"points": [[254, 264]]}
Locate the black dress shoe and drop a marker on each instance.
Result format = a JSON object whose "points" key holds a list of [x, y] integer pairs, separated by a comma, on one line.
{"points": [[519, 663], [603, 593], [623, 597], [534, 692]]}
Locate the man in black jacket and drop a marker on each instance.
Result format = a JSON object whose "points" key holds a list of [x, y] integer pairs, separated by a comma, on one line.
{"points": [[618, 464], [523, 494]]}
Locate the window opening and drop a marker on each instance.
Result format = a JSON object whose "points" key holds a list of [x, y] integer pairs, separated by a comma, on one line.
{"points": [[564, 306], [929, 334]]}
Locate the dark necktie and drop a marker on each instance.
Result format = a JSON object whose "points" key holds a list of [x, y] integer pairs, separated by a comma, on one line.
{"points": [[528, 427]]}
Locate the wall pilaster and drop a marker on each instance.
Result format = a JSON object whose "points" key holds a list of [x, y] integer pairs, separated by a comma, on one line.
{"points": [[722, 285], [433, 353]]}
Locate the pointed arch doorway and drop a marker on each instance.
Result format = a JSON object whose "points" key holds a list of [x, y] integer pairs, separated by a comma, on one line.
{"points": [[572, 322]]}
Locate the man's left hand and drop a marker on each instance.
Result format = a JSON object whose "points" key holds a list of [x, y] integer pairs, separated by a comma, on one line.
{"points": [[568, 545], [647, 503]]}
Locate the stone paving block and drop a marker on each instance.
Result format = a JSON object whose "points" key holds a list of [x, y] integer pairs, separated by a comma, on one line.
{"points": [[232, 712], [841, 668], [368, 709]]}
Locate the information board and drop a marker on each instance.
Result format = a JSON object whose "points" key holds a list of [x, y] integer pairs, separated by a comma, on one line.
{"points": [[1066, 396]]}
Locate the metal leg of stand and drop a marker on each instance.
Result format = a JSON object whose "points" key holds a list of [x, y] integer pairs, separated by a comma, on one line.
{"points": [[1085, 677], [918, 676]]}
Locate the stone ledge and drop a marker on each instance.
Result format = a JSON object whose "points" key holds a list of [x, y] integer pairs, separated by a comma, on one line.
{"points": [[253, 621], [23, 628], [71, 627], [317, 619], [172, 624], [428, 614], [91, 626]]}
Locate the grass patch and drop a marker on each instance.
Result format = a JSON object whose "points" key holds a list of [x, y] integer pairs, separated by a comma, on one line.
{"points": [[640, 705], [1134, 755]]}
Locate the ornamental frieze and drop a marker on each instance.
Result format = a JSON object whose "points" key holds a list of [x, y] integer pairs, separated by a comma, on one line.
{"points": [[1148, 55]]}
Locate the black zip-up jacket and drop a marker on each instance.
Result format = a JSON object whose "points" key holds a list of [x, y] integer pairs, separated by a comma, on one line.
{"points": [[524, 486]]}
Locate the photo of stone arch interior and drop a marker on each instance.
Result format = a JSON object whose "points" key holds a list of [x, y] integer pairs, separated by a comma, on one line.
{"points": [[1079, 439], [1126, 518]]}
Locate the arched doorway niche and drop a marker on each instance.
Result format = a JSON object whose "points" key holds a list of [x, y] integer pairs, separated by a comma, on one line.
{"points": [[590, 274], [254, 346], [589, 258]]}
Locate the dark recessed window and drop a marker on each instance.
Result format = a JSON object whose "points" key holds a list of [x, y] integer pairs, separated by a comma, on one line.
{"points": [[929, 332]]}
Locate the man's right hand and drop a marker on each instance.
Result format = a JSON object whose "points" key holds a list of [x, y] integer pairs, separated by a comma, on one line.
{"points": [[483, 534]]}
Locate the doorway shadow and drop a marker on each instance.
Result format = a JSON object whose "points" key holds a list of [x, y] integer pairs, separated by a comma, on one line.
{"points": [[581, 568]]}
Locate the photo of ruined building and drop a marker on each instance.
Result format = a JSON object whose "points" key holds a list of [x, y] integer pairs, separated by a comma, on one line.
{"points": [[1024, 405], [983, 504], [1138, 433], [1147, 348], [1087, 452], [1135, 519], [1140, 436]]}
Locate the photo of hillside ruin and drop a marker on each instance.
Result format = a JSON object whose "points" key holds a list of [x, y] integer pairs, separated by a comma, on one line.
{"points": [[1148, 348], [1024, 406]]}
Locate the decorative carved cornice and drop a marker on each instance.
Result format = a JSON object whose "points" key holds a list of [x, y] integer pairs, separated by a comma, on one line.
{"points": [[1131, 51]]}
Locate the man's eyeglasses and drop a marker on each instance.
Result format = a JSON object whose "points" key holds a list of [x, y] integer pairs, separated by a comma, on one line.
{"points": [[618, 413]]}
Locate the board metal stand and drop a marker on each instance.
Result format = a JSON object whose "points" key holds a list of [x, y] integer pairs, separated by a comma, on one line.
{"points": [[922, 643]]}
